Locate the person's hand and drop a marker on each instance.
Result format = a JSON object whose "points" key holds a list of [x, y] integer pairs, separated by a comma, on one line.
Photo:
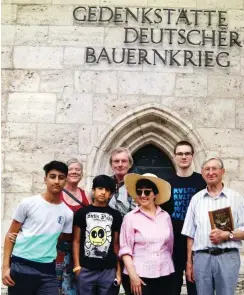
{"points": [[12, 237], [135, 283], [78, 272], [6, 278], [119, 278], [218, 236], [189, 272]]}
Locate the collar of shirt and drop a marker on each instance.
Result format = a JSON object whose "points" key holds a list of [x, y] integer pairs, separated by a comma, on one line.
{"points": [[223, 193], [138, 209]]}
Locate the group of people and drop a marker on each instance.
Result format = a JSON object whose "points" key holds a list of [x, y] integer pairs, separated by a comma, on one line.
{"points": [[138, 230]]}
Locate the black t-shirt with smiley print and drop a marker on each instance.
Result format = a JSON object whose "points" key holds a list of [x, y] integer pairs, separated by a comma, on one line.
{"points": [[97, 225]]}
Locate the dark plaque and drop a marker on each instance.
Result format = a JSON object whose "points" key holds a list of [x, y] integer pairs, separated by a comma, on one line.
{"points": [[222, 219]]}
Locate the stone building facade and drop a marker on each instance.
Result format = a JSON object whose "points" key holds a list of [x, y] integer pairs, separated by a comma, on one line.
{"points": [[57, 102]]}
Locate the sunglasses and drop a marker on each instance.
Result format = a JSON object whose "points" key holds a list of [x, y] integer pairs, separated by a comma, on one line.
{"points": [[146, 192]]}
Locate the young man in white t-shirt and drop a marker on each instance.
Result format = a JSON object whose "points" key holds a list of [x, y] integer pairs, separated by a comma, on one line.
{"points": [[28, 265]]}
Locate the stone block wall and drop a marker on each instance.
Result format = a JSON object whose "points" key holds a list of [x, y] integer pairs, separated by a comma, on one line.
{"points": [[55, 105]]}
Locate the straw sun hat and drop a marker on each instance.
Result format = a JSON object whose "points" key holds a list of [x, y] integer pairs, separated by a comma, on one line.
{"points": [[164, 188]]}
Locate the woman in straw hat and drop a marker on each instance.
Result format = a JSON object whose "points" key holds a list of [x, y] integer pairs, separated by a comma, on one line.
{"points": [[146, 238]]}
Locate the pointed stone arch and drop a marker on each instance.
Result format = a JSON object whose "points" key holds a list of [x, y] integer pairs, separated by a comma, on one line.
{"points": [[147, 124]]}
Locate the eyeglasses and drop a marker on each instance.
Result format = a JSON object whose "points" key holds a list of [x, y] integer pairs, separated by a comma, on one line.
{"points": [[146, 192], [187, 154]]}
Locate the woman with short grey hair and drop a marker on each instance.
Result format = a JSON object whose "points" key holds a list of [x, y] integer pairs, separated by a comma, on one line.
{"points": [[75, 198]]}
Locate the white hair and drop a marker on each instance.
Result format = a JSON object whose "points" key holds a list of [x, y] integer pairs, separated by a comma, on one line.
{"points": [[221, 163]]}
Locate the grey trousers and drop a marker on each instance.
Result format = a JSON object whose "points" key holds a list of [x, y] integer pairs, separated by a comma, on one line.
{"points": [[99, 282], [219, 273]]}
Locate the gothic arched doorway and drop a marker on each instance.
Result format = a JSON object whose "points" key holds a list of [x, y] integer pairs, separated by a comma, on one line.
{"points": [[150, 124], [151, 159]]}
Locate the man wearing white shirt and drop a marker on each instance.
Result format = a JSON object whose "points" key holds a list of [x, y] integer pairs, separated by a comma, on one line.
{"points": [[213, 258], [29, 264]]}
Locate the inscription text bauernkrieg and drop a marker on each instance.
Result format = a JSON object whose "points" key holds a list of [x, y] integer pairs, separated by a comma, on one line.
{"points": [[178, 37]]}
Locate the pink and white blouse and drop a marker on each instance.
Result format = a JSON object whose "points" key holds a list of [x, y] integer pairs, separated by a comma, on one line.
{"points": [[149, 241]]}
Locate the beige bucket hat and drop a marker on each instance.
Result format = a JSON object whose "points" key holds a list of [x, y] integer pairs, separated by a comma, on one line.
{"points": [[164, 188]]}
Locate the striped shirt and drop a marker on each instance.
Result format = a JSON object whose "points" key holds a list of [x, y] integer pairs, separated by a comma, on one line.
{"points": [[197, 222]]}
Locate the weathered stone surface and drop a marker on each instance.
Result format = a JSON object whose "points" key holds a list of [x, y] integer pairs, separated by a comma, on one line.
{"points": [[29, 162], [55, 80], [74, 107], [7, 57], [240, 114], [220, 4], [203, 112], [7, 35], [236, 19], [88, 135], [2, 161], [172, 3], [31, 107], [5, 224], [191, 85], [4, 104], [228, 141], [80, 2], [124, 3], [38, 57], [144, 99], [18, 137], [2, 204], [9, 13], [96, 82], [38, 182], [74, 57], [31, 35], [76, 36], [45, 15], [115, 37], [242, 169], [12, 200], [23, 2], [55, 137], [242, 88], [146, 83], [16, 182], [20, 80], [238, 186], [242, 64], [232, 168], [224, 86], [108, 107]]}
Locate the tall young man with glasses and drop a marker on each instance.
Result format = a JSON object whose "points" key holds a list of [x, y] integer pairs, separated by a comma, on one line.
{"points": [[184, 185]]}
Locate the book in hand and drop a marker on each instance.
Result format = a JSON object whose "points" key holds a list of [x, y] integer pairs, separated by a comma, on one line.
{"points": [[222, 219]]}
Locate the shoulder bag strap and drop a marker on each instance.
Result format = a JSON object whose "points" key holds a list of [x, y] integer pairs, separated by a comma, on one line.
{"points": [[73, 197]]}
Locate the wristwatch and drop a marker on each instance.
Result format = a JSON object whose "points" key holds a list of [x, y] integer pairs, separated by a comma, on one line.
{"points": [[231, 235]]}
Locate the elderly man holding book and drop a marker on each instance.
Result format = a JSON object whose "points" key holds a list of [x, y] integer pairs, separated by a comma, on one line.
{"points": [[214, 226]]}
